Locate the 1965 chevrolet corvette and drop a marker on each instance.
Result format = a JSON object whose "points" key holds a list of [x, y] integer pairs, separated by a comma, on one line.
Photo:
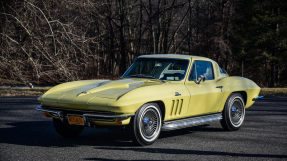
{"points": [[157, 93]]}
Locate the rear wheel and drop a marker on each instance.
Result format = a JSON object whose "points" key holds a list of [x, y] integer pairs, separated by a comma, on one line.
{"points": [[66, 130], [233, 113], [145, 126]]}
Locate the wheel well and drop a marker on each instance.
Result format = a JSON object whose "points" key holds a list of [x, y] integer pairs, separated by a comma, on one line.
{"points": [[243, 94], [162, 108]]}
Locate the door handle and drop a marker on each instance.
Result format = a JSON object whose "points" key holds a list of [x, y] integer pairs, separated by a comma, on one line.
{"points": [[220, 87]]}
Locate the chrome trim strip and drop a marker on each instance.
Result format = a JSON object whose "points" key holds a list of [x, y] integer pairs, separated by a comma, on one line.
{"points": [[39, 108], [194, 121], [257, 98]]}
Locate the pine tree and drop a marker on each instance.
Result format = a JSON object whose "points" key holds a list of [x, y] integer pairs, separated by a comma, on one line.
{"points": [[261, 38]]}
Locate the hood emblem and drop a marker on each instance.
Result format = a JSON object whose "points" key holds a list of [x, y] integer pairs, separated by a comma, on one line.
{"points": [[177, 94], [82, 93]]}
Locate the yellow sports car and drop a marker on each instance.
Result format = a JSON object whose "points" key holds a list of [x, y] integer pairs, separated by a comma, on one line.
{"points": [[157, 93]]}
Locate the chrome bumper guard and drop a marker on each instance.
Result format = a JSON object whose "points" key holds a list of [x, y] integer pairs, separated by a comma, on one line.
{"points": [[87, 117], [257, 98]]}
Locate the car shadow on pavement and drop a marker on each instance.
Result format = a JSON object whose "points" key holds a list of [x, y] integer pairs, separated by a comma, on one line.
{"points": [[104, 159], [179, 132], [43, 134], [189, 152]]}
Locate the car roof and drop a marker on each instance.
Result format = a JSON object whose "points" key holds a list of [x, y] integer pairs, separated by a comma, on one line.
{"points": [[174, 56]]}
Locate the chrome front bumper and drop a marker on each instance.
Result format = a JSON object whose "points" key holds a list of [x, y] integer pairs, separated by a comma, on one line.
{"points": [[86, 116]]}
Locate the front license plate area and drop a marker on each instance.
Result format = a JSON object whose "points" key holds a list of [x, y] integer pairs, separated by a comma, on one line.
{"points": [[75, 120]]}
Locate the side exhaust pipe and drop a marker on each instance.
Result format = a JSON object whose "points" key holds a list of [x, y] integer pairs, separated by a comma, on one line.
{"points": [[189, 122]]}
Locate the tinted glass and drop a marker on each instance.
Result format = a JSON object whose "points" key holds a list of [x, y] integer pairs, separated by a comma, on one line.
{"points": [[202, 68], [161, 68], [192, 74], [222, 71]]}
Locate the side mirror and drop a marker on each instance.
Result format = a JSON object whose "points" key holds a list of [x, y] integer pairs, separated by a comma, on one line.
{"points": [[201, 77]]}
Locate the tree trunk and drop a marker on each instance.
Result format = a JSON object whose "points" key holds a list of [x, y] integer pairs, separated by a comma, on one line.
{"points": [[272, 83], [122, 39]]}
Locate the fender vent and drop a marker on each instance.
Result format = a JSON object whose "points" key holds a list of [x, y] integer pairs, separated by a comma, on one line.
{"points": [[176, 107]]}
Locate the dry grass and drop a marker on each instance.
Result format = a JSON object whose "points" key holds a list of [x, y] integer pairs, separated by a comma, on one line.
{"points": [[9, 81], [273, 91], [22, 91]]}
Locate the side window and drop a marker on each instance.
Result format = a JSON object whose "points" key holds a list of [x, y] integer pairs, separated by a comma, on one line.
{"points": [[201, 68], [193, 72], [222, 71]]}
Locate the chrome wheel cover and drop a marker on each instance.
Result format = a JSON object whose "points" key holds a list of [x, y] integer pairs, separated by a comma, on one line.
{"points": [[237, 112], [150, 123]]}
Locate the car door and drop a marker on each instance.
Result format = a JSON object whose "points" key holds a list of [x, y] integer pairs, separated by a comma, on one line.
{"points": [[205, 97]]}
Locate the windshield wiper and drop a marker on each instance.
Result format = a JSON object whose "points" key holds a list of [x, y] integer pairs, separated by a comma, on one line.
{"points": [[145, 76]]}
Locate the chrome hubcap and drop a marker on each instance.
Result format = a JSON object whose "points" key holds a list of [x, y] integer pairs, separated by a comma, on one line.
{"points": [[149, 124], [237, 112]]}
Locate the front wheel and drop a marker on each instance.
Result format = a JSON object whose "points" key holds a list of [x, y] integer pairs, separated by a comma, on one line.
{"points": [[145, 126], [233, 113], [66, 130]]}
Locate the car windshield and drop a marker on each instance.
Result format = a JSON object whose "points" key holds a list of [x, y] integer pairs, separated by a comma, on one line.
{"points": [[158, 68]]}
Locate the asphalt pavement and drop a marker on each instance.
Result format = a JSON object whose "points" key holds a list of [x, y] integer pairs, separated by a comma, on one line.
{"points": [[25, 134]]}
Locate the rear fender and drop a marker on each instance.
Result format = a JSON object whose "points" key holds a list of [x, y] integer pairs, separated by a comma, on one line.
{"points": [[240, 85]]}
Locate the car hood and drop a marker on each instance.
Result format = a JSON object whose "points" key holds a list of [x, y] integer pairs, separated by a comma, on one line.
{"points": [[106, 89], [101, 92]]}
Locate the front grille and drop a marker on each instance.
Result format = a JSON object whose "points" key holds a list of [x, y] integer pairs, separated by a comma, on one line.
{"points": [[102, 119], [77, 111]]}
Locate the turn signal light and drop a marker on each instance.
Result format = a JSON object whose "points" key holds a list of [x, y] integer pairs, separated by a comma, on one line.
{"points": [[119, 122], [46, 114]]}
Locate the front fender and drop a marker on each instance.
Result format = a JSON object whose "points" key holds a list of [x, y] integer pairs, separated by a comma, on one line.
{"points": [[175, 106]]}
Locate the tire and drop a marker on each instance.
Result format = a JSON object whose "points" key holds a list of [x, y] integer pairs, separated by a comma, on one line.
{"points": [[145, 126], [66, 130], [233, 113]]}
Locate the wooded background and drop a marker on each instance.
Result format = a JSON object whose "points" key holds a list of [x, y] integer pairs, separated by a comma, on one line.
{"points": [[53, 41]]}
